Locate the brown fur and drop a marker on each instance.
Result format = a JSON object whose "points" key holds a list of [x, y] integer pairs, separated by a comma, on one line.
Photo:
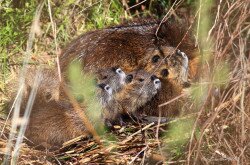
{"points": [[126, 45], [48, 86], [56, 122], [168, 92], [168, 58], [53, 123], [53, 119]]}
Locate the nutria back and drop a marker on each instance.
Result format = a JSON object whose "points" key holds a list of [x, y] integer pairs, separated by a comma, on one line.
{"points": [[124, 45], [53, 124]]}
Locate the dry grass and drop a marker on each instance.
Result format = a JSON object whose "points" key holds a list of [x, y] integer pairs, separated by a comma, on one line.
{"points": [[224, 114], [219, 132]]}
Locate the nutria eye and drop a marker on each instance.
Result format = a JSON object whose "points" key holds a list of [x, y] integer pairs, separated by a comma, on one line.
{"points": [[164, 73], [48, 96], [156, 58], [102, 86], [141, 79], [104, 77], [129, 78], [107, 87]]}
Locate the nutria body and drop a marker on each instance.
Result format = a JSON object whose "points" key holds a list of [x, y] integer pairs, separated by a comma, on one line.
{"points": [[126, 46], [140, 88], [53, 124], [56, 122], [48, 87]]}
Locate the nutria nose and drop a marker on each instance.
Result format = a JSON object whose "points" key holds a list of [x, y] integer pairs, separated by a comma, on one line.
{"points": [[157, 81], [153, 77], [129, 78], [186, 84], [164, 73]]}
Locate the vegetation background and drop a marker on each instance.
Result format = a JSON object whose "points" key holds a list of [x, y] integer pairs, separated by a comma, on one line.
{"points": [[219, 131]]}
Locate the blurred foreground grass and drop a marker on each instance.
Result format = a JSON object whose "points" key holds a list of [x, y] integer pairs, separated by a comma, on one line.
{"points": [[72, 18]]}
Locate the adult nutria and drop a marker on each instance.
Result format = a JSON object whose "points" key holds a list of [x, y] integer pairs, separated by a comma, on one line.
{"points": [[126, 46], [140, 88]]}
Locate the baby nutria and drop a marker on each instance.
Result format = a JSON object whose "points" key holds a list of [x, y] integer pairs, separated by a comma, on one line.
{"points": [[140, 87], [54, 123], [114, 77], [126, 45], [57, 119], [49, 85]]}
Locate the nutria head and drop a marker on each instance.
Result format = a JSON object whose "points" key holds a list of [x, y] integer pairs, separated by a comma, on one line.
{"points": [[177, 63], [166, 62], [104, 93], [142, 85], [153, 62], [114, 77], [49, 84]]}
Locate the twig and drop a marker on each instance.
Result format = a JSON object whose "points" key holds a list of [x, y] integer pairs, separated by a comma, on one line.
{"points": [[172, 100], [137, 132], [26, 116], [133, 159], [55, 40], [82, 115], [136, 4], [22, 79], [164, 19], [157, 133]]}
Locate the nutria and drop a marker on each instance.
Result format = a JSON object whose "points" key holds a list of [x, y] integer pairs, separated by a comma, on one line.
{"points": [[174, 77], [49, 87], [126, 45], [53, 119], [48, 84], [56, 122], [140, 88]]}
